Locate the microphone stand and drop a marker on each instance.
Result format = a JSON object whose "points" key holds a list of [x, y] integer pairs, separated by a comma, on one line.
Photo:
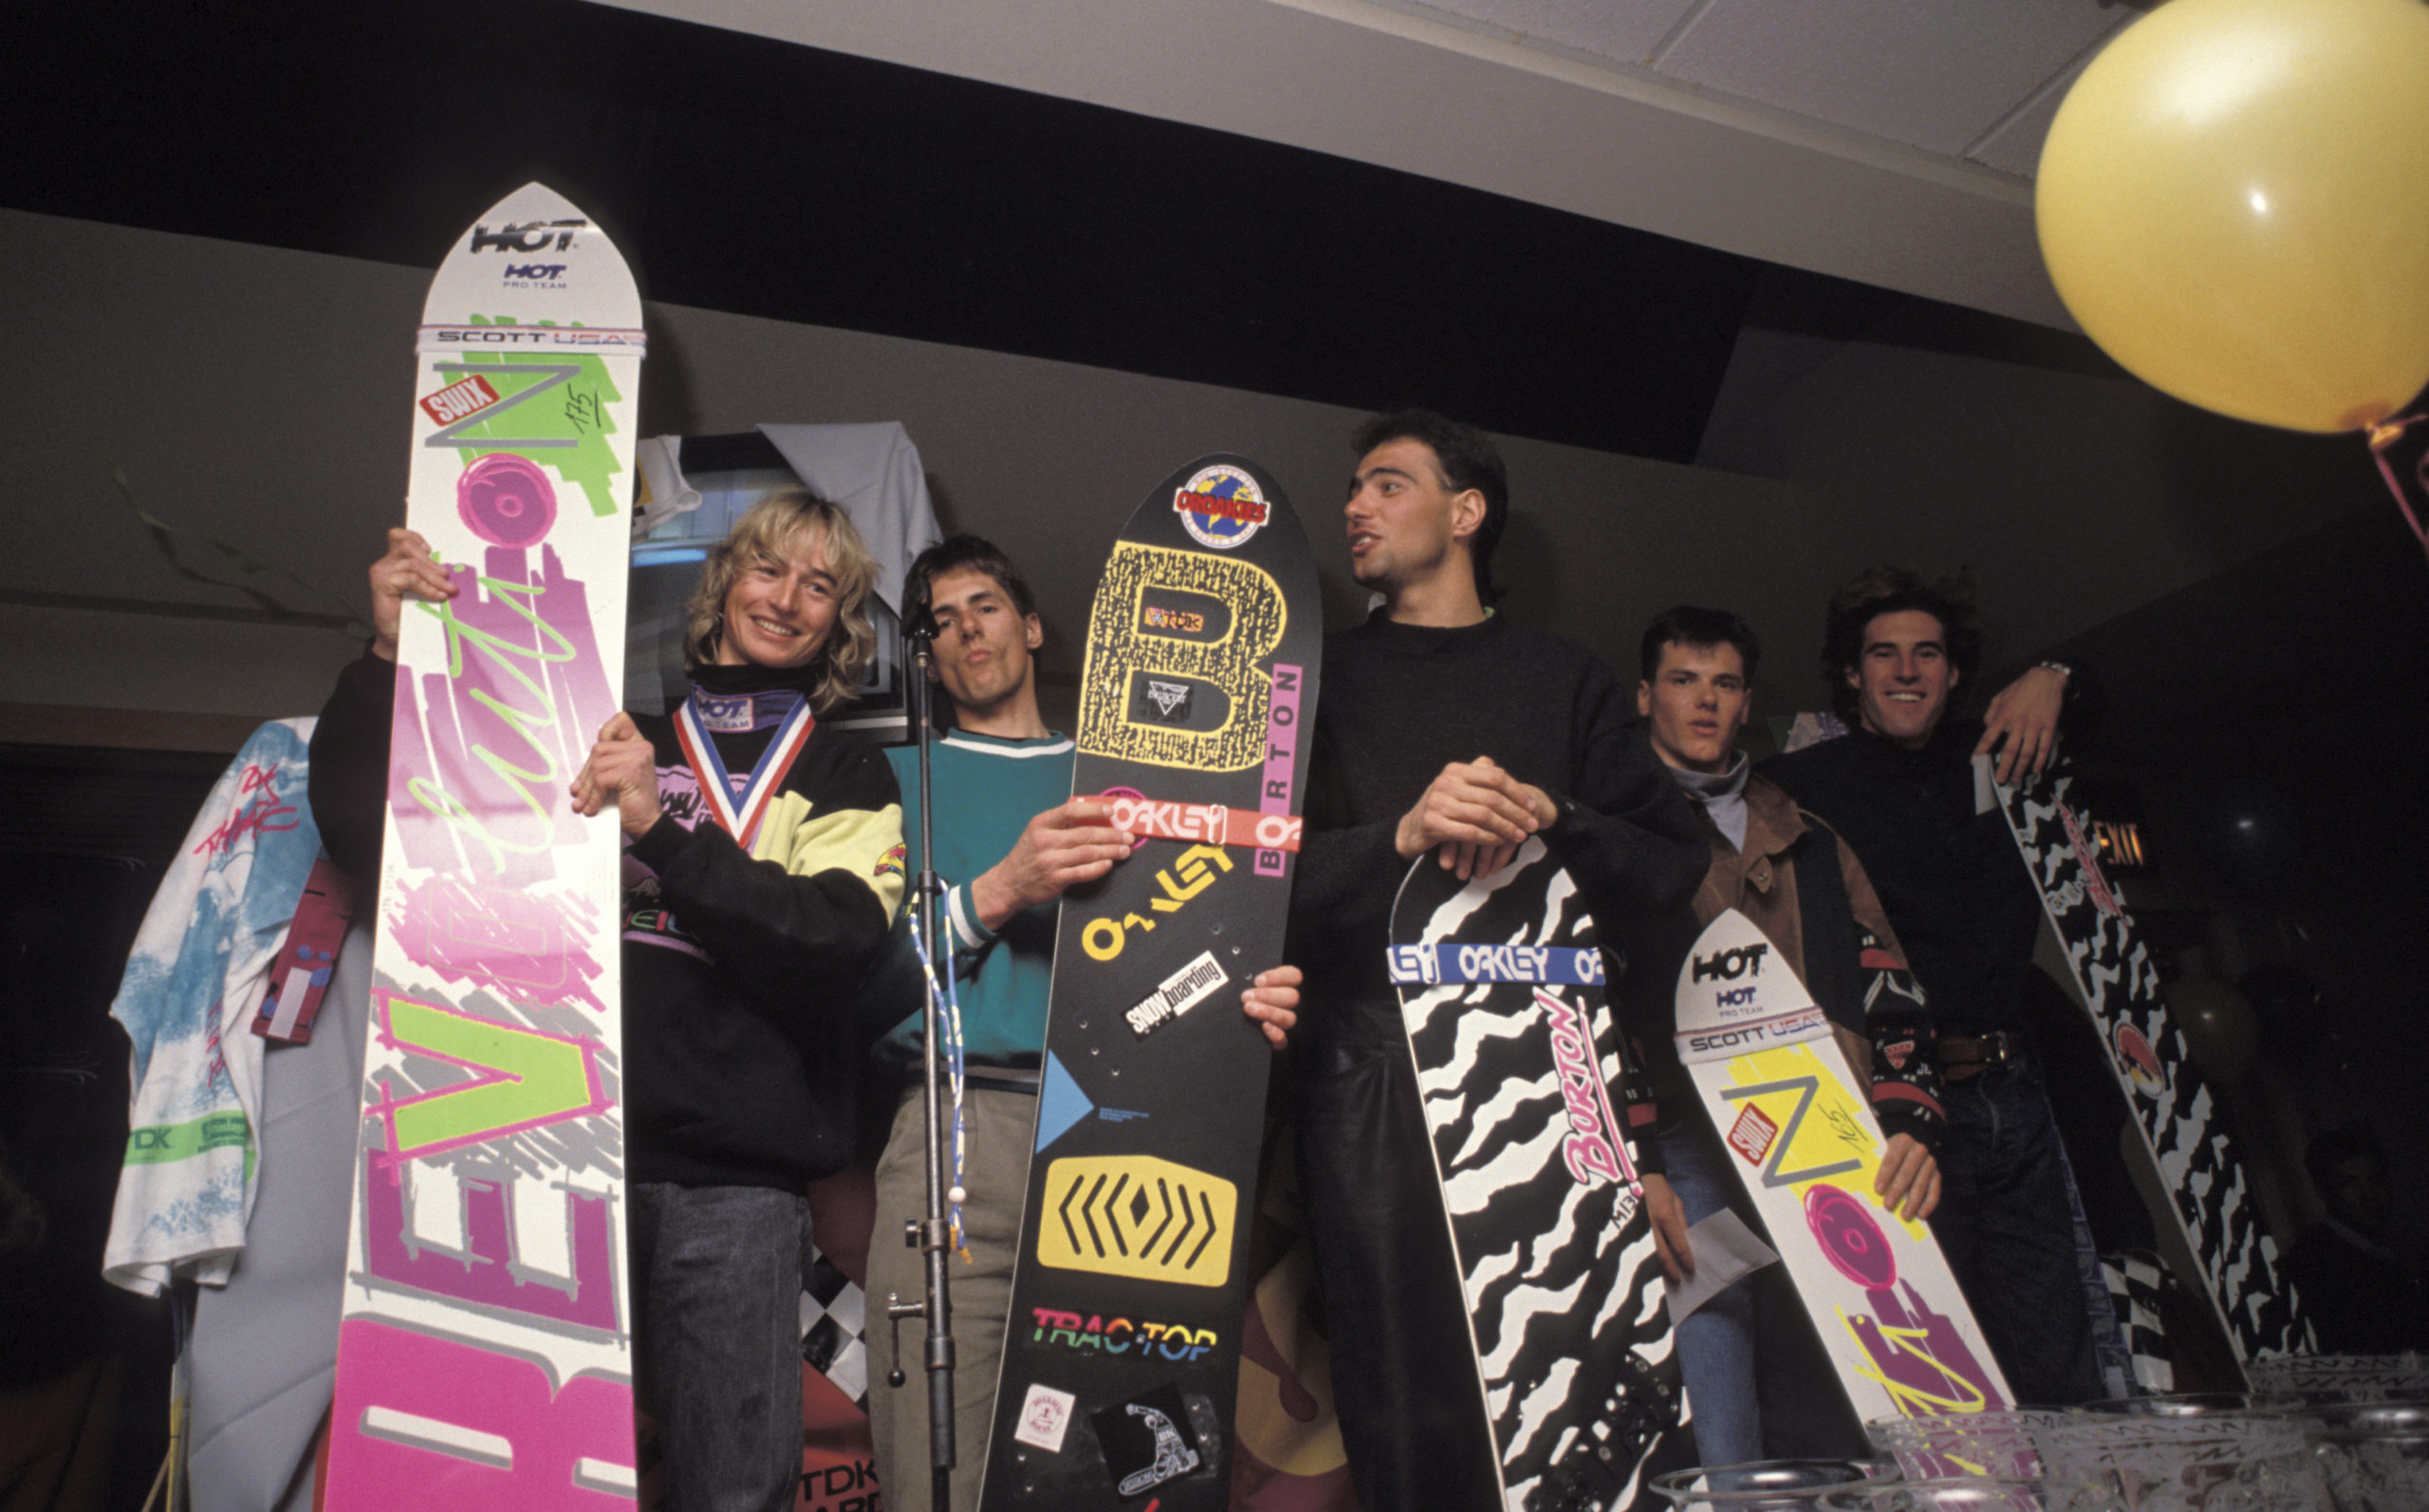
{"points": [[932, 1235]]}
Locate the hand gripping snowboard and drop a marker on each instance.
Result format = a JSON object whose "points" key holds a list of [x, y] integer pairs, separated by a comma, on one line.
{"points": [[484, 1357], [1774, 1083], [1121, 1359], [1501, 985], [2174, 1111]]}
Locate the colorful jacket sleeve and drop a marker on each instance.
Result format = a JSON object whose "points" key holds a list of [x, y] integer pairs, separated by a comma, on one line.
{"points": [[1905, 1070], [813, 905]]}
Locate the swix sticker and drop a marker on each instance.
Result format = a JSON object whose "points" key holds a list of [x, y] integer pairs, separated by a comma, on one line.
{"points": [[1752, 1136], [460, 400], [1775, 1172], [1221, 506]]}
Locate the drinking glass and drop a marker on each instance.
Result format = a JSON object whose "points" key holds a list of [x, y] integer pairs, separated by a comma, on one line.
{"points": [[2008, 1445], [1972, 1493], [2339, 1378], [2187, 1462], [2375, 1454], [1763, 1485]]}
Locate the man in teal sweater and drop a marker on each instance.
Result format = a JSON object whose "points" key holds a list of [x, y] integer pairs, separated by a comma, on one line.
{"points": [[1009, 838]]}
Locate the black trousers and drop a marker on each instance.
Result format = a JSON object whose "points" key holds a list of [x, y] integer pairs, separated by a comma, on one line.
{"points": [[1403, 1360]]}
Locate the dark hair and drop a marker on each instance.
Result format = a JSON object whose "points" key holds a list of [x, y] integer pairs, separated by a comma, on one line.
{"points": [[1686, 625], [975, 553], [1466, 460], [2357, 1141], [1879, 591]]}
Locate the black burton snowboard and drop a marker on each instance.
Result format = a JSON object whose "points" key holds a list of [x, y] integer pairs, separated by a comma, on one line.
{"points": [[1122, 1361], [1502, 988]]}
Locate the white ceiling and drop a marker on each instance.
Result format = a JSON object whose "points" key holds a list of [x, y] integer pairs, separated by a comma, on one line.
{"points": [[1889, 141]]}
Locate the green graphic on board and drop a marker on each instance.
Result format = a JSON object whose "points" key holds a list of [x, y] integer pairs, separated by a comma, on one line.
{"points": [[525, 1077], [575, 412]]}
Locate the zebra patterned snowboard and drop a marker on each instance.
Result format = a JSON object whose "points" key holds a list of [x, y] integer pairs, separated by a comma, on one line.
{"points": [[2179, 1120], [1502, 988]]}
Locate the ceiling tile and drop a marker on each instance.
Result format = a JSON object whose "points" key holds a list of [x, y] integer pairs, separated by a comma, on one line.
{"points": [[1935, 74], [2014, 146], [1621, 31]]}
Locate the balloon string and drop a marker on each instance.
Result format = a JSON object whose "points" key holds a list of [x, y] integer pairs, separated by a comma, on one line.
{"points": [[2384, 435]]}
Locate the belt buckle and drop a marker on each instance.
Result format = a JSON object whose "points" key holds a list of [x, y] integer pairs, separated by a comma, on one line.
{"points": [[1998, 1049]]}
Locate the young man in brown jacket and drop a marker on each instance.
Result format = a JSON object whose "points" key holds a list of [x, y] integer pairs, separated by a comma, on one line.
{"points": [[1753, 1365]]}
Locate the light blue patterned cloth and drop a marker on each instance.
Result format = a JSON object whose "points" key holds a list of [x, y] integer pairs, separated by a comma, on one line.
{"points": [[199, 971]]}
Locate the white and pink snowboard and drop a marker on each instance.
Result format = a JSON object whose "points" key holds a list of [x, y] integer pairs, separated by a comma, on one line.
{"points": [[485, 1354]]}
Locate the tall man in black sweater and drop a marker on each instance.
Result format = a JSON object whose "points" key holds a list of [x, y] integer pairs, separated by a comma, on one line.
{"points": [[1907, 790], [1443, 728]]}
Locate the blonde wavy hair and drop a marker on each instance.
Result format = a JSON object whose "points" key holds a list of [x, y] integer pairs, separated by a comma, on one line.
{"points": [[792, 523]]}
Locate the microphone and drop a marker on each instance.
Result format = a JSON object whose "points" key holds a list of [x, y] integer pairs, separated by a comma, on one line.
{"points": [[918, 614]]}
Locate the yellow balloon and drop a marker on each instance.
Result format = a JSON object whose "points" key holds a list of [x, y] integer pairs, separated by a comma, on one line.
{"points": [[2233, 202]]}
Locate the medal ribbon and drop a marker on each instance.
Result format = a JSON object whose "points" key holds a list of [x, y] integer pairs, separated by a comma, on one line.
{"points": [[740, 815]]}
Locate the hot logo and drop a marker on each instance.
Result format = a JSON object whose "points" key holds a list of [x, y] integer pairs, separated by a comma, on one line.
{"points": [[2140, 1061], [1221, 506]]}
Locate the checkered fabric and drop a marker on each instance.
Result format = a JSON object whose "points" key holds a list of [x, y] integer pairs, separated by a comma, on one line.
{"points": [[834, 1317], [2135, 1278]]}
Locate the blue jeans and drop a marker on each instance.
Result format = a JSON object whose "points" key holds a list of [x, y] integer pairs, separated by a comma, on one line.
{"points": [[716, 1292], [1758, 1385], [2005, 1224]]}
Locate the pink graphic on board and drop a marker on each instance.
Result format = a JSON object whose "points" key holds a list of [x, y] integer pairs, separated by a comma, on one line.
{"points": [[486, 1272], [471, 1431], [526, 947], [1921, 1357], [486, 747], [507, 499], [1849, 1239]]}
